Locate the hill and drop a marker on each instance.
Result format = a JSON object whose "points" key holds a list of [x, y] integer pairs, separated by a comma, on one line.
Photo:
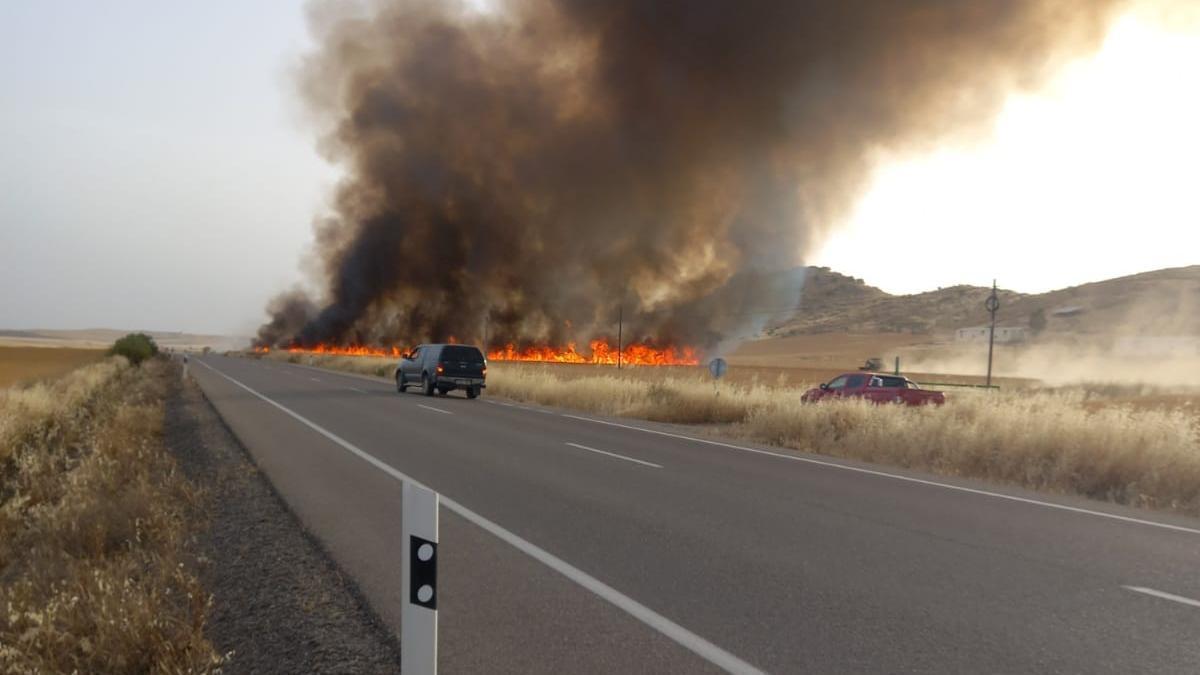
{"points": [[1160, 303], [104, 337]]}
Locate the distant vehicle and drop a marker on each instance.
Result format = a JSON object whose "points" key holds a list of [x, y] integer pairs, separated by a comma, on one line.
{"points": [[443, 368], [874, 387], [873, 363]]}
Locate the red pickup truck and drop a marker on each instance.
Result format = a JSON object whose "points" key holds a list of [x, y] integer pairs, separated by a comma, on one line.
{"points": [[876, 388]]}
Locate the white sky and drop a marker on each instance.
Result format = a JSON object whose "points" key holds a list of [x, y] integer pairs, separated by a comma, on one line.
{"points": [[154, 174], [1096, 177]]}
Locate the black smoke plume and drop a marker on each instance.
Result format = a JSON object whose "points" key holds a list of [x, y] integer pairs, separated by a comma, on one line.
{"points": [[529, 170]]}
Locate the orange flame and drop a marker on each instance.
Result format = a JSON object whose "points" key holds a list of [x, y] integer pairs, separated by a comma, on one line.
{"points": [[601, 353], [353, 350]]}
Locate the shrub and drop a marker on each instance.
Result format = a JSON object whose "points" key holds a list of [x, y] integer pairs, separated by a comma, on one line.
{"points": [[136, 347]]}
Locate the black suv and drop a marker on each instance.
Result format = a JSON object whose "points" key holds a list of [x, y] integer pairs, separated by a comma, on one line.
{"points": [[443, 368]]}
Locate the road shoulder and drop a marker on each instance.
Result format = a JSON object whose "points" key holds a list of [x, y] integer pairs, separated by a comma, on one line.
{"points": [[279, 603]]}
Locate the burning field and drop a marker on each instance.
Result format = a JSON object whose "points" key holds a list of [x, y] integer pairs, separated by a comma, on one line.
{"points": [[599, 352], [552, 180]]}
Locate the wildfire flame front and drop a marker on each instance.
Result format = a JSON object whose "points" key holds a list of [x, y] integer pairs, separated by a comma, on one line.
{"points": [[601, 353]]}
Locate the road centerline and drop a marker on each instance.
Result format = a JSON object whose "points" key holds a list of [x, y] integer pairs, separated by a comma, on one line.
{"points": [[691, 641], [613, 454]]}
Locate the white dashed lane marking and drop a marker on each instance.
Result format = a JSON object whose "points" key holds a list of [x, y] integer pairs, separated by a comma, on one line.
{"points": [[429, 407], [613, 454], [1165, 596]]}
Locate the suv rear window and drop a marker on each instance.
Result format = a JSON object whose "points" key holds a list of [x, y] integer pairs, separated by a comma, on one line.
{"points": [[461, 353]]}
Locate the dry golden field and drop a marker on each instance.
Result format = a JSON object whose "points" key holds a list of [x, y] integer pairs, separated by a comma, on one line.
{"points": [[824, 350], [26, 364], [821, 356]]}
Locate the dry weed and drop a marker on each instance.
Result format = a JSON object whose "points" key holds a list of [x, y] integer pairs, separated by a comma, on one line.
{"points": [[94, 528]]}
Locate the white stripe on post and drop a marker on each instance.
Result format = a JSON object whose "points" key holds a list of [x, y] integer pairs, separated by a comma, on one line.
{"points": [[418, 620]]}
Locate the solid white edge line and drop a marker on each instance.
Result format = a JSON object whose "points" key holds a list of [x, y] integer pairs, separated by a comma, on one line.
{"points": [[686, 638], [429, 407], [884, 474], [613, 454], [1165, 596]]}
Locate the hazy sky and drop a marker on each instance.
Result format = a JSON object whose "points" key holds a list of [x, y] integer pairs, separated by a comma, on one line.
{"points": [[154, 171]]}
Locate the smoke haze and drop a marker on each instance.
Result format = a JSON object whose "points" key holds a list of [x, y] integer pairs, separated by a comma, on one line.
{"points": [[543, 166]]}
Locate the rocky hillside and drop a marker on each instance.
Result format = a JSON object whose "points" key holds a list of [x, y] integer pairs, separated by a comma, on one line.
{"points": [[1164, 302]]}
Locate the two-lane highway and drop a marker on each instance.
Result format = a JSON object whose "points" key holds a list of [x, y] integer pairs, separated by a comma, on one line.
{"points": [[579, 544]]}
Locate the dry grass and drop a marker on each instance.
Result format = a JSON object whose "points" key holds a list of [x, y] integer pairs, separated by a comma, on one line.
{"points": [[1045, 441], [94, 529], [26, 364], [1055, 440]]}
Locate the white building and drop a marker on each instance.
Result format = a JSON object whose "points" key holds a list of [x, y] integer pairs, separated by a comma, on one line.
{"points": [[1004, 334]]}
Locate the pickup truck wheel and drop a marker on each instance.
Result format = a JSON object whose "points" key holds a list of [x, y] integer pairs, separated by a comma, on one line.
{"points": [[472, 392], [401, 385], [427, 385]]}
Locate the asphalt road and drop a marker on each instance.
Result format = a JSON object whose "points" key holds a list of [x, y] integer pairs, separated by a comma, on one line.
{"points": [[632, 547]]}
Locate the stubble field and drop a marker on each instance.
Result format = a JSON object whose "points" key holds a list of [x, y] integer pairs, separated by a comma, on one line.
{"points": [[27, 364]]}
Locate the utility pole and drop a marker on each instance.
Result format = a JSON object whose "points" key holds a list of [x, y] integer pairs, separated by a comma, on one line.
{"points": [[992, 304]]}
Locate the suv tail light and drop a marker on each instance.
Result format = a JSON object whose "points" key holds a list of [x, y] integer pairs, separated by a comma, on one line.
{"points": [[441, 368]]}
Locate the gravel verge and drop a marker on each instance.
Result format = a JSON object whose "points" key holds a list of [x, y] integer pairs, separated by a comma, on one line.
{"points": [[280, 605]]}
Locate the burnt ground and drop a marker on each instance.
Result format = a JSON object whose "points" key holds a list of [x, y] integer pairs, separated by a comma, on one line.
{"points": [[280, 605]]}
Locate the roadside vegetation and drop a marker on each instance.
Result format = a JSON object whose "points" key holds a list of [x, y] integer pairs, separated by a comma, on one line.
{"points": [[136, 347], [1075, 440], [95, 528]]}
